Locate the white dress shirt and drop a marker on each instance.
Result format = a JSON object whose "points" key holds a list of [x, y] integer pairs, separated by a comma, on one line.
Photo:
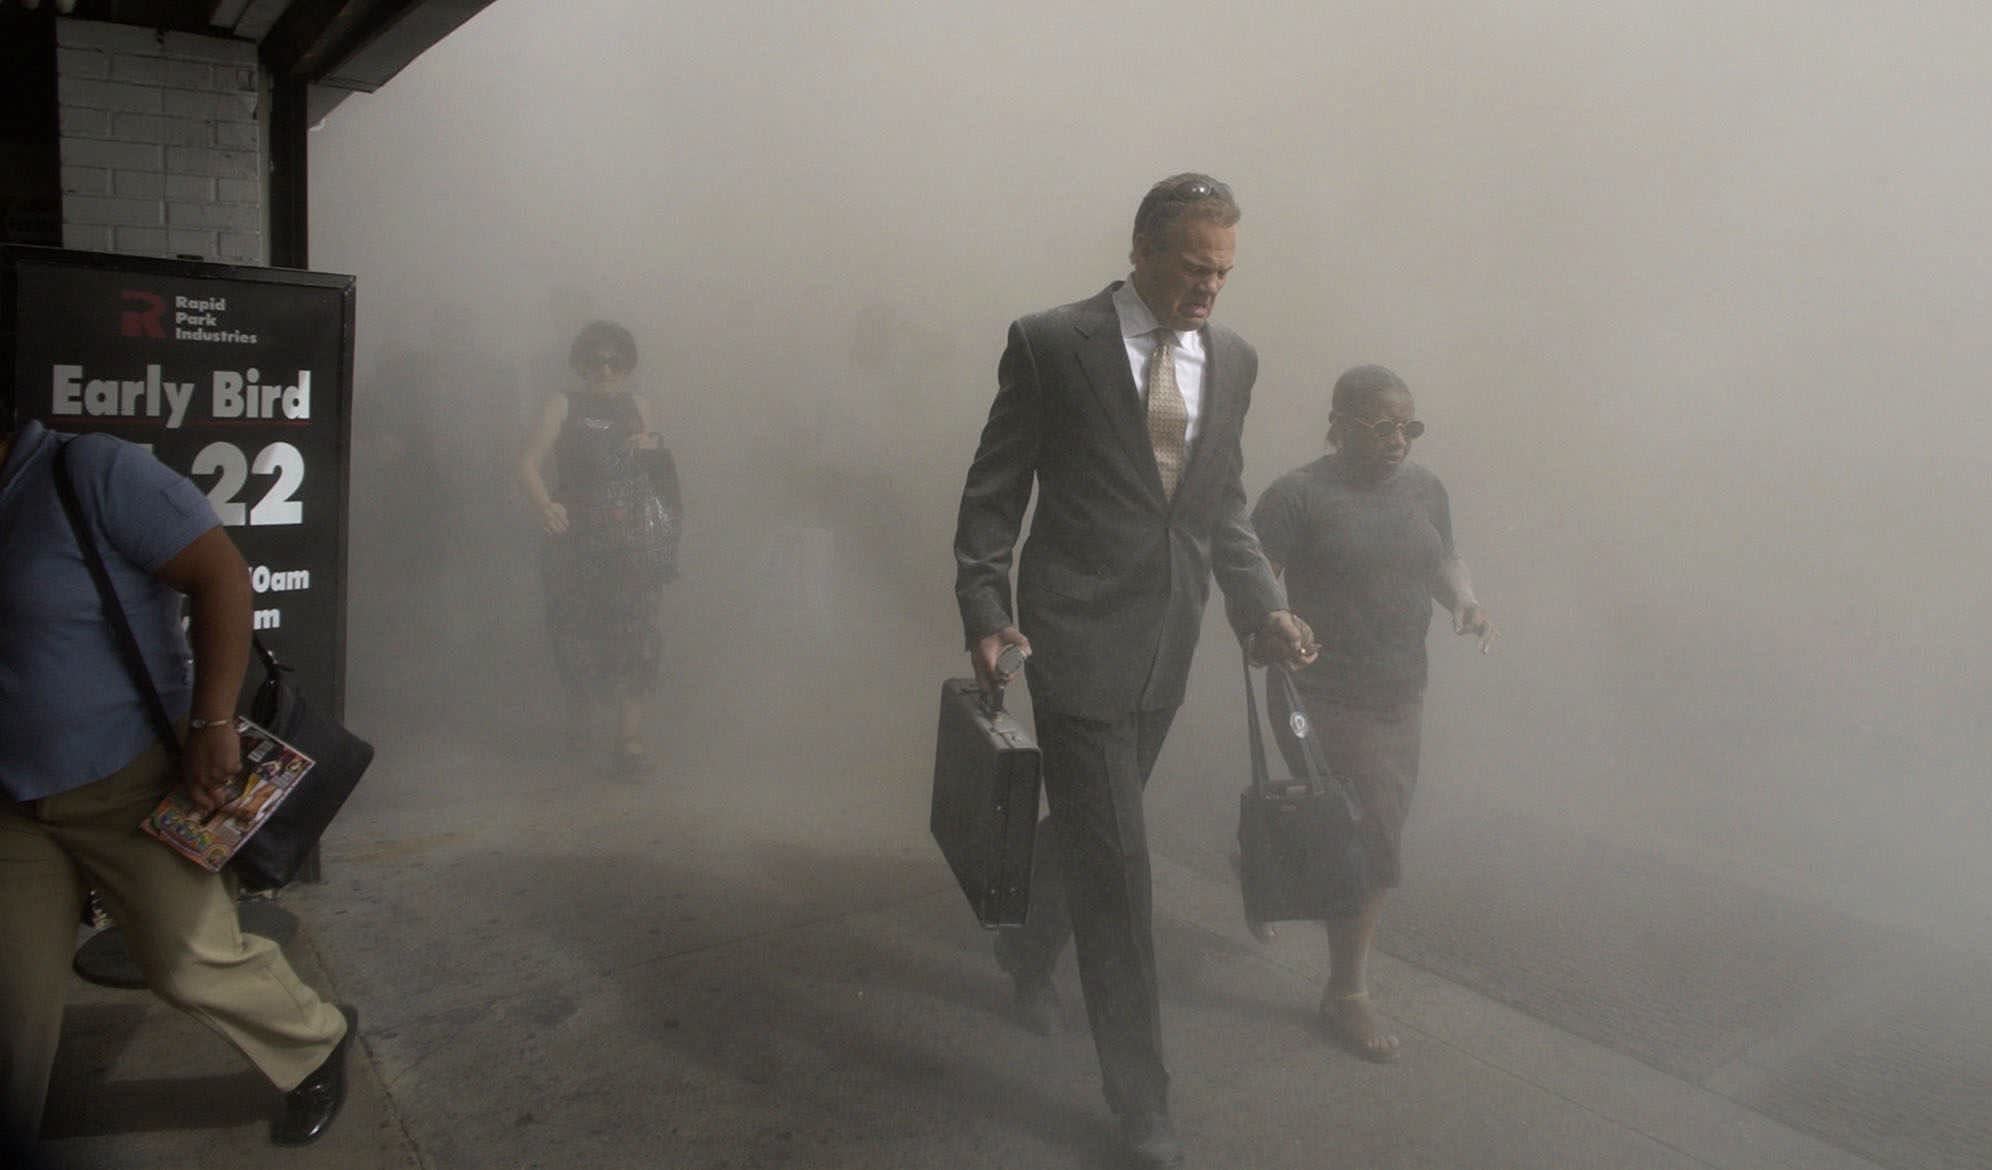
{"points": [[1138, 326]]}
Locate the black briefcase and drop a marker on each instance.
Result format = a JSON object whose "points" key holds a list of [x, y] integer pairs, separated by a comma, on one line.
{"points": [[1300, 841], [986, 782]]}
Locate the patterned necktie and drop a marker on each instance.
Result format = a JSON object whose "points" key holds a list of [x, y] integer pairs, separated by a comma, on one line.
{"points": [[1168, 416]]}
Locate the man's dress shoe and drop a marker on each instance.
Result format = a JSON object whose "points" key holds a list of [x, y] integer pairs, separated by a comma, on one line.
{"points": [[1151, 1141], [310, 1108], [1037, 1006]]}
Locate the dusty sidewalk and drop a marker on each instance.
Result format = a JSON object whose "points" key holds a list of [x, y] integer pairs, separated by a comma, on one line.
{"points": [[710, 970], [139, 1086]]}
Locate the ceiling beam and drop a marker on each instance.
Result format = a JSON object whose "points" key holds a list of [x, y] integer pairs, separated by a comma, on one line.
{"points": [[359, 44], [259, 17], [226, 13]]}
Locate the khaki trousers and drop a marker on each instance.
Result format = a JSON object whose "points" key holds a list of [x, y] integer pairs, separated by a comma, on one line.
{"points": [[179, 921]]}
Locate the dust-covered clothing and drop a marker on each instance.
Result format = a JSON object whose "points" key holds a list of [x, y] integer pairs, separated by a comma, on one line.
{"points": [[605, 575], [1374, 750], [1361, 559]]}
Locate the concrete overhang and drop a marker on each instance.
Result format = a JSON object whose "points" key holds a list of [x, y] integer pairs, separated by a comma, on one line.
{"points": [[334, 46]]}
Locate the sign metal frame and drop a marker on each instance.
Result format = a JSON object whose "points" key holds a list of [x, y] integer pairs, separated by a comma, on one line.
{"points": [[29, 272]]}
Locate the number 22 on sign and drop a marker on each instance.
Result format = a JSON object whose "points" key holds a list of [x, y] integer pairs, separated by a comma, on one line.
{"points": [[233, 467]]}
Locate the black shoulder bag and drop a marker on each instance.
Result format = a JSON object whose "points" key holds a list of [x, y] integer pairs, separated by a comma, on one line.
{"points": [[276, 852], [1300, 840]]}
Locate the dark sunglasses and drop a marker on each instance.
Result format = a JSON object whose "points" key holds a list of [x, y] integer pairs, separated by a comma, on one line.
{"points": [[1383, 428], [612, 360], [1189, 192], [1194, 190]]}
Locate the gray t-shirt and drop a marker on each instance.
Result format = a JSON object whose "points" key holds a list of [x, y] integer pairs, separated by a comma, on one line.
{"points": [[1361, 560], [69, 710]]}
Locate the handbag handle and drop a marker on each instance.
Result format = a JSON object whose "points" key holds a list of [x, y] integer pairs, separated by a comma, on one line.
{"points": [[1260, 781], [1314, 763]]}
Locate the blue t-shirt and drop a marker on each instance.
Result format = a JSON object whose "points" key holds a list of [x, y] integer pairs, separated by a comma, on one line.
{"points": [[69, 710]]}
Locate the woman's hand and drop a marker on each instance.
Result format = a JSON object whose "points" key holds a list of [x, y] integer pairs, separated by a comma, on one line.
{"points": [[1285, 639], [1471, 619], [554, 517], [646, 441]]}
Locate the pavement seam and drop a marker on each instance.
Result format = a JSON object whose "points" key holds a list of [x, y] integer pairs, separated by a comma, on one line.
{"points": [[1698, 1086], [1438, 1041], [1190, 876], [422, 1159]]}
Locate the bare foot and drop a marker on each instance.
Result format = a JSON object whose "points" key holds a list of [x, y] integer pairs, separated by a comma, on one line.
{"points": [[1355, 1024]]}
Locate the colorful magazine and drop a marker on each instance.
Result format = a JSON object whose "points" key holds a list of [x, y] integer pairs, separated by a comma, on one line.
{"points": [[271, 768]]}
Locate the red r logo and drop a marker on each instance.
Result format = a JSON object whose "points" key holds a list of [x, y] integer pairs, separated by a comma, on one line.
{"points": [[143, 322]]}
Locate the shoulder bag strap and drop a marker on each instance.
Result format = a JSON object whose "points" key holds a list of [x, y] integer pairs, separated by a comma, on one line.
{"points": [[114, 610], [1260, 781], [1319, 775]]}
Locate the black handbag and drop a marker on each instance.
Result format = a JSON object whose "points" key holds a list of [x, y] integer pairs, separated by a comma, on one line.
{"points": [[273, 855], [1300, 840]]}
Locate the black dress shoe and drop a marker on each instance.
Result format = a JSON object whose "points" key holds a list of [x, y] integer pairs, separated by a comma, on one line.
{"points": [[1151, 1141], [310, 1108], [1037, 1006]]}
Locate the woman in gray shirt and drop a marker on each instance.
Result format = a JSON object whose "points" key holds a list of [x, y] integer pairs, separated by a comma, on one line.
{"points": [[1363, 538]]}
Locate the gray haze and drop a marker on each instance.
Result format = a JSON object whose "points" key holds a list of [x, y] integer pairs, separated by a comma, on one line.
{"points": [[1692, 296]]}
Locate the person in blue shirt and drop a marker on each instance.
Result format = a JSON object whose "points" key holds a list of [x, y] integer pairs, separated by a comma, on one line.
{"points": [[81, 767]]}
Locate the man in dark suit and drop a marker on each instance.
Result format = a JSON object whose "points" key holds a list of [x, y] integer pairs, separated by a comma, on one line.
{"points": [[1125, 410]]}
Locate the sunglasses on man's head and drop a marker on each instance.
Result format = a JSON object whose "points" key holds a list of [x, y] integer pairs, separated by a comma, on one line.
{"points": [[1192, 191], [1384, 427]]}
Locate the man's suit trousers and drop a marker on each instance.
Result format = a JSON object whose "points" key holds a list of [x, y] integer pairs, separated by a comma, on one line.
{"points": [[1090, 882], [179, 921]]}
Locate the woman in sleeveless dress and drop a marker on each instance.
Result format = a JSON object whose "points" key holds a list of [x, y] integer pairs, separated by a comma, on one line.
{"points": [[611, 519]]}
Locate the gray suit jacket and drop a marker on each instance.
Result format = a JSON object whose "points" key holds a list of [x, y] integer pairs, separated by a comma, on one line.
{"points": [[1114, 576]]}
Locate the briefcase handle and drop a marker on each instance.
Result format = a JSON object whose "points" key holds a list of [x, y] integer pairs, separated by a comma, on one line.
{"points": [[1319, 776], [1010, 661]]}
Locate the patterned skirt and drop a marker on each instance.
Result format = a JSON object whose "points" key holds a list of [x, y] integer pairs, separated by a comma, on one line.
{"points": [[602, 599]]}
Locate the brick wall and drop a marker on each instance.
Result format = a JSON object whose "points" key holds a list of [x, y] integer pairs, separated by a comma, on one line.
{"points": [[163, 143]]}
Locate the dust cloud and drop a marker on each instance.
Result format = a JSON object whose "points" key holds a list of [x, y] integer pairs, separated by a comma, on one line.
{"points": [[1693, 299]]}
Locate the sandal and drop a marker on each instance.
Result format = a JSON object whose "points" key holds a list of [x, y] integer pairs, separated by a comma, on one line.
{"points": [[1351, 1021]]}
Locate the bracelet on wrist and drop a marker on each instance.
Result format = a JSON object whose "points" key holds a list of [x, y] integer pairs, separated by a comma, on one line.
{"points": [[204, 724]]}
